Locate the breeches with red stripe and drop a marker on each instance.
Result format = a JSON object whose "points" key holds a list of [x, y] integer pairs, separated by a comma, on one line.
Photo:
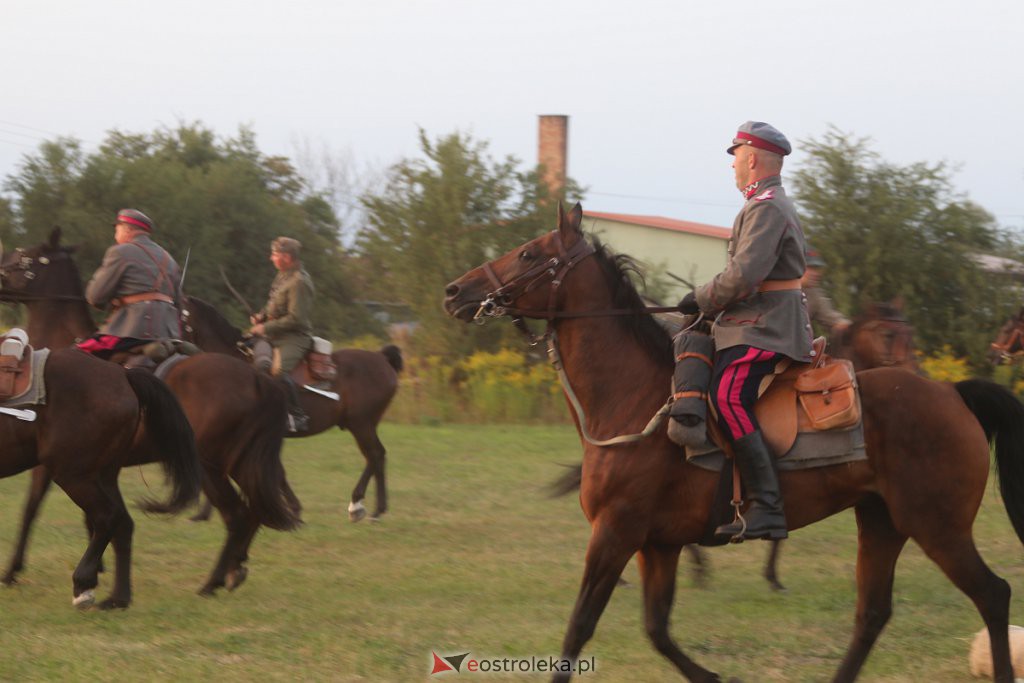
{"points": [[735, 380]]}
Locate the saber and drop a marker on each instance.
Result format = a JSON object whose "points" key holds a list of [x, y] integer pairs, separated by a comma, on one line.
{"points": [[181, 282], [25, 415], [238, 297]]}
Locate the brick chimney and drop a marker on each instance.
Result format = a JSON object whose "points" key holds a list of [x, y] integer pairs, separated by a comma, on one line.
{"points": [[552, 151]]}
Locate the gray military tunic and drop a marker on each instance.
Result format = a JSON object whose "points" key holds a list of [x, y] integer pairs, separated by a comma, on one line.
{"points": [[821, 310], [288, 317], [137, 267], [767, 243]]}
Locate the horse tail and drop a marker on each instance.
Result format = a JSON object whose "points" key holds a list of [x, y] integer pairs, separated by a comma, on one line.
{"points": [[1001, 415], [568, 482], [394, 356], [258, 471], [170, 433]]}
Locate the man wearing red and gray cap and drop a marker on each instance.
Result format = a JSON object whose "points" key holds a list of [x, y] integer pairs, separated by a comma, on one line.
{"points": [[139, 281], [761, 318]]}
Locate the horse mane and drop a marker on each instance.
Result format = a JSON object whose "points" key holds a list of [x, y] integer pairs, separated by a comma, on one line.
{"points": [[218, 324], [619, 271]]}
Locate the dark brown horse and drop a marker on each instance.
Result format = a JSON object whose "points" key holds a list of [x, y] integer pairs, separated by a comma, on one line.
{"points": [[238, 415], [923, 479], [366, 383], [98, 418]]}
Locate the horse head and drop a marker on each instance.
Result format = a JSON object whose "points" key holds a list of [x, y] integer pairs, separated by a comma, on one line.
{"points": [[45, 271], [1009, 341], [524, 281], [880, 337]]}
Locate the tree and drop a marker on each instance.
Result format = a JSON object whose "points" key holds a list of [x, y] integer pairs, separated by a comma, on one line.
{"points": [[437, 217], [219, 201], [901, 231]]}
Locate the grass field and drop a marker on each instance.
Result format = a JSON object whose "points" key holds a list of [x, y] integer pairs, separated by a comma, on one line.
{"points": [[472, 557]]}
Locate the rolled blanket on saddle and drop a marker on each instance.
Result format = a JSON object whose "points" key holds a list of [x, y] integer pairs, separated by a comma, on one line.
{"points": [[693, 352]]}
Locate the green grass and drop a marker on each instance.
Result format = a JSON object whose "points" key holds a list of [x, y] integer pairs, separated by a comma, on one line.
{"points": [[472, 557]]}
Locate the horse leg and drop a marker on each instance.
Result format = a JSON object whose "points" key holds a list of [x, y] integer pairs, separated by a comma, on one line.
{"points": [[205, 510], [607, 555], [237, 572], [771, 565], [235, 515], [878, 547], [700, 567], [38, 487], [375, 455], [102, 516], [960, 561], [123, 528], [658, 566]]}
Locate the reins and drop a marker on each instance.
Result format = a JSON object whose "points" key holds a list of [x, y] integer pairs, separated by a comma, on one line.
{"points": [[499, 303]]}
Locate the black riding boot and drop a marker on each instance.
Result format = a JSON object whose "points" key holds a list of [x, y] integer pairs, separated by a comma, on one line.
{"points": [[298, 421], [764, 517]]}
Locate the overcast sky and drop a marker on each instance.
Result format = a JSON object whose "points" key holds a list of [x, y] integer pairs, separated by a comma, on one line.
{"points": [[654, 90]]}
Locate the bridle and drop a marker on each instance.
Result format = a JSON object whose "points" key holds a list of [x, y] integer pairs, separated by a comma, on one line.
{"points": [[499, 302], [24, 265]]}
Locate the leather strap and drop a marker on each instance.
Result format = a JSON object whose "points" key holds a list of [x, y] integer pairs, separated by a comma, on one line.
{"points": [[779, 285], [691, 354], [129, 299], [690, 394]]}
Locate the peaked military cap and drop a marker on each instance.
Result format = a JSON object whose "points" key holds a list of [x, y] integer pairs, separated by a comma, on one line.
{"points": [[761, 135], [136, 218], [286, 245]]}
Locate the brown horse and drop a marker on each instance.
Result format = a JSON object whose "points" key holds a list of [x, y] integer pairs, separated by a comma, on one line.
{"points": [[880, 337], [238, 415], [98, 418], [1009, 342], [366, 382], [923, 479]]}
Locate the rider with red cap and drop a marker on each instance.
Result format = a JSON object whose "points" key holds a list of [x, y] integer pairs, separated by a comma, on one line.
{"points": [[760, 318]]}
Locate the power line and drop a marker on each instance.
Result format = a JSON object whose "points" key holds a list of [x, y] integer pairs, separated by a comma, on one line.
{"points": [[677, 200]]}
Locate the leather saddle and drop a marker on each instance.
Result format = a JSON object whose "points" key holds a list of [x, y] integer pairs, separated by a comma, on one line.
{"points": [[808, 397], [15, 374]]}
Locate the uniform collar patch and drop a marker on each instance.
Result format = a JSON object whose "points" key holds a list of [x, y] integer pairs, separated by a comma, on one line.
{"points": [[767, 194]]}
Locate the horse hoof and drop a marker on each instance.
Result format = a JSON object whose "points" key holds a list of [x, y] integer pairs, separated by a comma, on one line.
{"points": [[113, 603], [356, 511], [236, 578], [208, 591], [84, 599], [9, 580]]}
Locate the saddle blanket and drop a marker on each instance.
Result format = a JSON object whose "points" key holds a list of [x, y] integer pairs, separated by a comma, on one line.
{"points": [[35, 395], [811, 449]]}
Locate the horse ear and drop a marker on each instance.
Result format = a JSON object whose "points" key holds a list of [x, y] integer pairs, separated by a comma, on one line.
{"points": [[569, 223], [55, 237]]}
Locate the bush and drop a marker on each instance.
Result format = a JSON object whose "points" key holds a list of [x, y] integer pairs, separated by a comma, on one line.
{"points": [[505, 386], [945, 367]]}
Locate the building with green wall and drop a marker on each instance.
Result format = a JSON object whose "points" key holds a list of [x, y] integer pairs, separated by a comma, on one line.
{"points": [[665, 248]]}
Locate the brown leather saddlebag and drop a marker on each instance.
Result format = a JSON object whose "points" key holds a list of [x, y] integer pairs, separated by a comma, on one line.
{"points": [[829, 395], [321, 366]]}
